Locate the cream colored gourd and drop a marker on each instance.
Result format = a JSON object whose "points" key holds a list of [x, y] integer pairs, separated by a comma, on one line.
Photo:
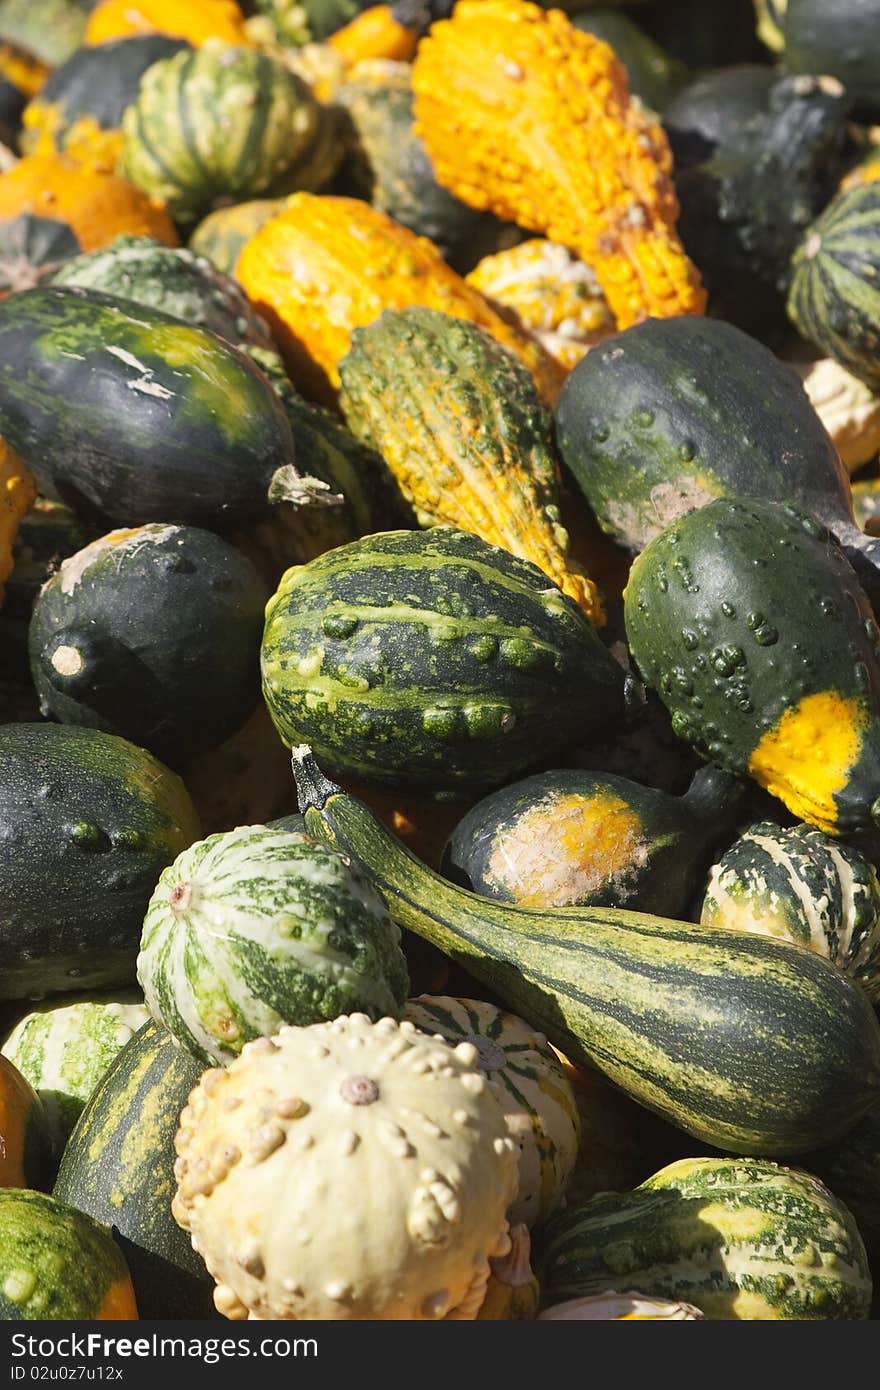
{"points": [[848, 409], [513, 1292], [349, 1170], [620, 1307], [530, 1084]]}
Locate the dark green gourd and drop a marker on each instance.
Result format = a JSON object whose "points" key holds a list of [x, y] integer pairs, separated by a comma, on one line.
{"points": [[672, 413], [674, 1013], [749, 621], [841, 37], [433, 660], [572, 838]]}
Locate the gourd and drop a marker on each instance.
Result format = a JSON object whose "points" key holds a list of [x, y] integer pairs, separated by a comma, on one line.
{"points": [[79, 110], [530, 1084], [220, 236], [118, 1168], [671, 414], [705, 116], [572, 838], [258, 131], [131, 416], [50, 29], [175, 686], [57, 1263], [63, 1048], [512, 1293], [21, 77], [17, 495], [769, 668], [88, 821], [672, 1012], [552, 293], [833, 300], [771, 23], [380, 33], [374, 264], [255, 928], [800, 885], [848, 409], [173, 280], [196, 21], [320, 1143], [510, 101], [52, 208], [26, 1157], [485, 669], [460, 426], [739, 1238], [841, 39], [654, 77], [620, 1307]]}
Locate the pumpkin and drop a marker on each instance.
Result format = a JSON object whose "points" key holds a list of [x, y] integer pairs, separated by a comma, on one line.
{"points": [[193, 20]]}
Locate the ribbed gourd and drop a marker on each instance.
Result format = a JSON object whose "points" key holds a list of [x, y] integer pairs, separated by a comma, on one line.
{"points": [[553, 294], [739, 1238], [526, 116], [193, 20], [224, 123], [797, 884], [254, 928], [750, 623], [486, 668], [531, 1086], [849, 410], [351, 1170], [834, 300], [373, 263], [459, 423]]}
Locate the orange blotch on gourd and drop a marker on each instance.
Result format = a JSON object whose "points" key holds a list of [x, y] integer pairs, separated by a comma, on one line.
{"points": [[809, 755], [118, 1303], [17, 1098]]}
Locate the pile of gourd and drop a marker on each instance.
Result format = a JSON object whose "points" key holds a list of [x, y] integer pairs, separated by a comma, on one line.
{"points": [[440, 758]]}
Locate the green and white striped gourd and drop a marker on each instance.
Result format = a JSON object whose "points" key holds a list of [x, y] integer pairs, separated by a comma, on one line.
{"points": [[65, 1046], [530, 1084], [254, 928], [740, 1238], [800, 885]]}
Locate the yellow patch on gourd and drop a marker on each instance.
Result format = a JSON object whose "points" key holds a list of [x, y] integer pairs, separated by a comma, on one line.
{"points": [[118, 1302], [559, 853], [736, 1225], [810, 754]]}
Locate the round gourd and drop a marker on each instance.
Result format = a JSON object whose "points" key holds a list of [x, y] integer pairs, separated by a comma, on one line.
{"points": [[193, 20], [118, 1168], [800, 885], [486, 668], [79, 110], [221, 235], [738, 1238], [56, 1263], [834, 299], [358, 1170], [842, 39], [848, 409], [620, 1307], [26, 1158], [65, 1046], [221, 124], [87, 823], [152, 634], [255, 928], [529, 1083], [52, 208]]}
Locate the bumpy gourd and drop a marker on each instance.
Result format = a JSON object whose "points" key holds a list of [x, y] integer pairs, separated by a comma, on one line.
{"points": [[254, 928], [530, 118], [553, 294], [222, 124], [193, 20], [620, 1307], [802, 886], [352, 1170], [459, 423], [372, 263], [531, 1086]]}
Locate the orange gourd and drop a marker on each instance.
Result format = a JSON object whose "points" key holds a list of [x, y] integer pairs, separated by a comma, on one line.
{"points": [[193, 20]]}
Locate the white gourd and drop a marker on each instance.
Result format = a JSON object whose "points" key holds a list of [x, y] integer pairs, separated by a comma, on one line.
{"points": [[620, 1307]]}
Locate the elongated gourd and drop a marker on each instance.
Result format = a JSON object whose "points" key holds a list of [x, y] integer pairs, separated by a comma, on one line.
{"points": [[752, 1045]]}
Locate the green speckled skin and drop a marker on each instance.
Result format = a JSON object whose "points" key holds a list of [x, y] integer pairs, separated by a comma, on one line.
{"points": [[87, 823], [55, 1262], [124, 411], [738, 1238], [432, 660], [737, 613], [834, 298], [749, 1044], [118, 1167], [174, 281]]}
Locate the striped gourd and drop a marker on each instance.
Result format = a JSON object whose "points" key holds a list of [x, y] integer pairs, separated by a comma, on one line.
{"points": [[800, 885], [118, 1167], [739, 1238], [673, 1012], [64, 1047], [529, 1082], [254, 928], [220, 124], [432, 660], [834, 298]]}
